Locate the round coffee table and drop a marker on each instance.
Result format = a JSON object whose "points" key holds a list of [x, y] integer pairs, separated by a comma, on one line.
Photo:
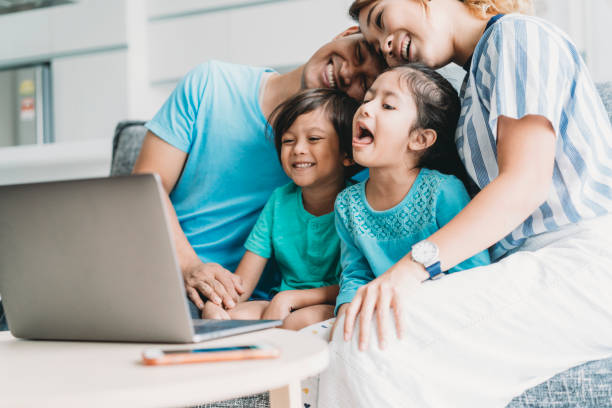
{"points": [[63, 373]]}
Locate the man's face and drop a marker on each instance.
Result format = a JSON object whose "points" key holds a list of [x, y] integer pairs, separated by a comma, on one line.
{"points": [[347, 63]]}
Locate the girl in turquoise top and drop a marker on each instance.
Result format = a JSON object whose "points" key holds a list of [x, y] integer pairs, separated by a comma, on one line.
{"points": [[296, 227], [403, 132]]}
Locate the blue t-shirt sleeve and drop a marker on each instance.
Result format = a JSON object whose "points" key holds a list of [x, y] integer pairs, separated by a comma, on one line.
{"points": [[524, 69], [260, 239], [452, 198], [174, 122], [356, 270]]}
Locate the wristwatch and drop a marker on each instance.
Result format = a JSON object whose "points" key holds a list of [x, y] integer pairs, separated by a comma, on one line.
{"points": [[426, 253]]}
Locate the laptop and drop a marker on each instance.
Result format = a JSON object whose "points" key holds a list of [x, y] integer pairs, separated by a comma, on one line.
{"points": [[94, 260]]}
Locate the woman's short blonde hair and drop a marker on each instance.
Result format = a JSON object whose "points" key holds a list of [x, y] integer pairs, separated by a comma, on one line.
{"points": [[480, 8]]}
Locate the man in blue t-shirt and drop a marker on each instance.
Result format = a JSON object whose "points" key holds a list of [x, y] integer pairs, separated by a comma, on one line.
{"points": [[211, 145]]}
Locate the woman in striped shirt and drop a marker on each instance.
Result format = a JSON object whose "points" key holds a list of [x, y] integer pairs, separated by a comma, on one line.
{"points": [[535, 139]]}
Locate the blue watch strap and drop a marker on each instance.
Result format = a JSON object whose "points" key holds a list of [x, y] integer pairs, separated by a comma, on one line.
{"points": [[434, 270]]}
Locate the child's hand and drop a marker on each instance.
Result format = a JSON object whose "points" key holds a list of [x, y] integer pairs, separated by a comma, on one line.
{"points": [[280, 306], [386, 291], [213, 311]]}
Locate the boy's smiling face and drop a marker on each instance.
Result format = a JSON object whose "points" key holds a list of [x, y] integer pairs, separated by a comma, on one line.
{"points": [[310, 151]]}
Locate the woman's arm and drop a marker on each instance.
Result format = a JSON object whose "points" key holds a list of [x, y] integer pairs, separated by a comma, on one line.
{"points": [[249, 271], [213, 281], [526, 155]]}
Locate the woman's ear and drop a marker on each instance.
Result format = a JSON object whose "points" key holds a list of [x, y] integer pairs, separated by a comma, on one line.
{"points": [[422, 139]]}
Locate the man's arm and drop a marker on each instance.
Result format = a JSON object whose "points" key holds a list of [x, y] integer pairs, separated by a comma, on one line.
{"points": [[216, 283]]}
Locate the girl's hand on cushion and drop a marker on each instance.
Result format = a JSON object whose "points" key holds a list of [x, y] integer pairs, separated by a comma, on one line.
{"points": [[280, 306], [387, 291]]}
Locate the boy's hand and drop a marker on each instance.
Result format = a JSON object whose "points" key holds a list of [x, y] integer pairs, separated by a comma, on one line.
{"points": [[280, 306], [213, 311]]}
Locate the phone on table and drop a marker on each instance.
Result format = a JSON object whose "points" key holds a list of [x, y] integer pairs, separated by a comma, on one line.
{"points": [[209, 354]]}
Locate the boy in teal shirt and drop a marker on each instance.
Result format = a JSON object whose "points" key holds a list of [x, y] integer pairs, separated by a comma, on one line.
{"points": [[305, 247], [296, 227]]}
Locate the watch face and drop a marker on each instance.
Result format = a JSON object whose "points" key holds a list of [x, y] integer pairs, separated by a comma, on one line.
{"points": [[425, 253]]}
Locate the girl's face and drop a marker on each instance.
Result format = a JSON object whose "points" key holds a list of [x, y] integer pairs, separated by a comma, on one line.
{"points": [[310, 151], [383, 123], [405, 31]]}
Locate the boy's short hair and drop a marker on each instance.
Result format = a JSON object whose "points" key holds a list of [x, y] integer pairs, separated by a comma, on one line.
{"points": [[340, 109]]}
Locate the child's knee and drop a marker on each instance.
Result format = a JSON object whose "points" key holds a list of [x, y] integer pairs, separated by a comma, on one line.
{"points": [[310, 315], [295, 321]]}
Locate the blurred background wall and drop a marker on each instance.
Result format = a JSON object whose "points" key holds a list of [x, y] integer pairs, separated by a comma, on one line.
{"points": [[111, 60]]}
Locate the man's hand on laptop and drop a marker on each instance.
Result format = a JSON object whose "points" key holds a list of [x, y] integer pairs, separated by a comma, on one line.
{"points": [[214, 282]]}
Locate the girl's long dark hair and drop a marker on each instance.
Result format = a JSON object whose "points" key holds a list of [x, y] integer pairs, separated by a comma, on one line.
{"points": [[438, 108]]}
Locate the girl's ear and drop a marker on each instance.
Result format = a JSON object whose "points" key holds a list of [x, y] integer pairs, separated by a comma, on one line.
{"points": [[422, 139], [347, 161]]}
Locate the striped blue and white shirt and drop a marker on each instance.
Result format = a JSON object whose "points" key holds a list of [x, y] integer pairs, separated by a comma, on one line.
{"points": [[521, 66]]}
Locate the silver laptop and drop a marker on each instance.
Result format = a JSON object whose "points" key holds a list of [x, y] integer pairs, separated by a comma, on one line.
{"points": [[94, 260]]}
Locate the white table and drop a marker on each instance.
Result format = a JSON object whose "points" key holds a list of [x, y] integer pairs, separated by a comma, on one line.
{"points": [[66, 374]]}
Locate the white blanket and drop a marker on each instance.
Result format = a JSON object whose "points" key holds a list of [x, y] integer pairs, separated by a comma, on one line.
{"points": [[478, 338]]}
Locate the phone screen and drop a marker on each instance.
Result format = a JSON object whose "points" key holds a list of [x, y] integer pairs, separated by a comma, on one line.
{"points": [[211, 350]]}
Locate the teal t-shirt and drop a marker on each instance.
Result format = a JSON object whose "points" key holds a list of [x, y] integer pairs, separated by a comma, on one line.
{"points": [[305, 247], [232, 166], [373, 241]]}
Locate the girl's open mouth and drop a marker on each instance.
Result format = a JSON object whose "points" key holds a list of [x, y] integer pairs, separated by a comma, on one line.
{"points": [[363, 136]]}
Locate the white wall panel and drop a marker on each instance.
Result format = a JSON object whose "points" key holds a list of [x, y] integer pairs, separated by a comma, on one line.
{"points": [[163, 8], [87, 24], [41, 34], [597, 39], [90, 95], [177, 45], [24, 34], [275, 34], [280, 34]]}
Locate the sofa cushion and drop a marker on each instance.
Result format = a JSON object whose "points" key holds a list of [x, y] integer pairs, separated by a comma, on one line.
{"points": [[605, 91], [126, 146]]}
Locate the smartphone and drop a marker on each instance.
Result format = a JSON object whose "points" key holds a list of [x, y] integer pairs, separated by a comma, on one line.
{"points": [[211, 354]]}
